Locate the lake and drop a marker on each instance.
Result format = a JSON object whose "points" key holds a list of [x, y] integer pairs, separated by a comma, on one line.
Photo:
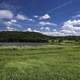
{"points": [[21, 44]]}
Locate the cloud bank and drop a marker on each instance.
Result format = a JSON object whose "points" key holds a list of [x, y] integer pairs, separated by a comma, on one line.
{"points": [[69, 28]]}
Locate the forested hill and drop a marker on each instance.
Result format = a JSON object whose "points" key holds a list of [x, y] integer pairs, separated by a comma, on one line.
{"points": [[14, 36]]}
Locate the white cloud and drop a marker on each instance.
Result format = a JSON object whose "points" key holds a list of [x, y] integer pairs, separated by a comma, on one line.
{"points": [[71, 27], [72, 22], [21, 17], [47, 28], [13, 21], [43, 23], [35, 30], [10, 29], [32, 20], [54, 30], [6, 14], [8, 23], [36, 16], [29, 29], [56, 33], [45, 17]]}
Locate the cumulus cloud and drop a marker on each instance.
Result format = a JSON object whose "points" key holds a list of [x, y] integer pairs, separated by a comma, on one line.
{"points": [[71, 27], [29, 29], [10, 23], [8, 28], [47, 28], [21, 17], [45, 17], [6, 14]]}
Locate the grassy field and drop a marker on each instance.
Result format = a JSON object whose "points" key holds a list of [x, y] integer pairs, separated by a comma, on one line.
{"points": [[48, 62]]}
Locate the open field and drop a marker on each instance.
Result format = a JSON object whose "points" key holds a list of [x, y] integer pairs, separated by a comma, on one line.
{"points": [[46, 62]]}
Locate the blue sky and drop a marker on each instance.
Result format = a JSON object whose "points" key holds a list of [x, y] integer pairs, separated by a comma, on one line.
{"points": [[41, 7], [40, 15]]}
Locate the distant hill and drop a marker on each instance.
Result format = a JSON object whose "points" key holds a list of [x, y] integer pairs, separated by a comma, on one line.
{"points": [[15, 36]]}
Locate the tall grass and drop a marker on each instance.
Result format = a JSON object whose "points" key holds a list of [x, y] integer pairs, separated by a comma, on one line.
{"points": [[49, 62]]}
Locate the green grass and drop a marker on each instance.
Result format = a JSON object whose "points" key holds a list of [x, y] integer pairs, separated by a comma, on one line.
{"points": [[49, 62]]}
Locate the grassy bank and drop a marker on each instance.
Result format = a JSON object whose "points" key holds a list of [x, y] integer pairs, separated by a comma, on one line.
{"points": [[49, 62]]}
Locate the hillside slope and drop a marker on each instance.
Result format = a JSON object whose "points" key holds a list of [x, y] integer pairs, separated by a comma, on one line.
{"points": [[14, 36]]}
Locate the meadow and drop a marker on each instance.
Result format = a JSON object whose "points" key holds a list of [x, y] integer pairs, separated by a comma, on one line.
{"points": [[44, 62]]}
